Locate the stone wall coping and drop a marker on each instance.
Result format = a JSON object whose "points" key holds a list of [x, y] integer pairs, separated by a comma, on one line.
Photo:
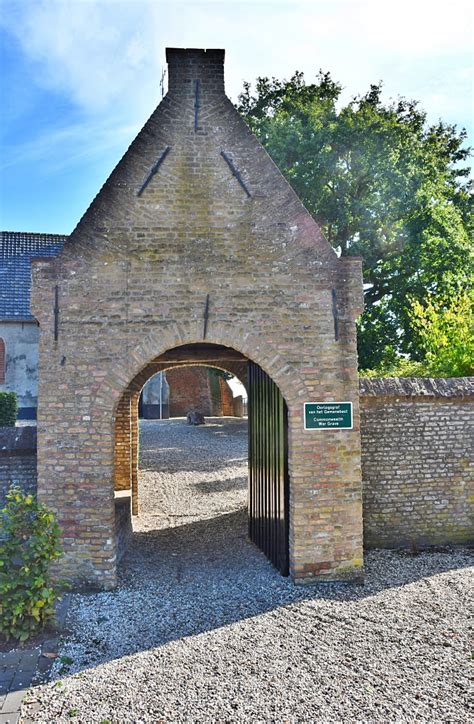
{"points": [[456, 387], [18, 440]]}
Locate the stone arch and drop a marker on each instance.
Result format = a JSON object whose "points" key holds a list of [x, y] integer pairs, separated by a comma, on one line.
{"points": [[125, 409], [126, 427], [157, 342], [125, 418]]}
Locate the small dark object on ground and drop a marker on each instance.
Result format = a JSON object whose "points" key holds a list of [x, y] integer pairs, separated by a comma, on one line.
{"points": [[195, 418]]}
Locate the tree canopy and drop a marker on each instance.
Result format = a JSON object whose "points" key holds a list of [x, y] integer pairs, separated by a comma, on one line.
{"points": [[383, 184]]}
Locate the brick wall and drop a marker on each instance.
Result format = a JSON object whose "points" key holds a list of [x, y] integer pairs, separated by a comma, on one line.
{"points": [[197, 388], [17, 459], [417, 461], [189, 390], [226, 398]]}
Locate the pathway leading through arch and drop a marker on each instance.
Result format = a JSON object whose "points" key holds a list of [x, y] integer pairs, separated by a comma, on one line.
{"points": [[268, 479]]}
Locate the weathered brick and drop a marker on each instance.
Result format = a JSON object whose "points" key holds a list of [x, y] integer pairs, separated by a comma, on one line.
{"points": [[133, 279]]}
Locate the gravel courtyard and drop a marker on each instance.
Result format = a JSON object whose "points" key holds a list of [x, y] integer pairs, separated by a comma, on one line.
{"points": [[202, 628]]}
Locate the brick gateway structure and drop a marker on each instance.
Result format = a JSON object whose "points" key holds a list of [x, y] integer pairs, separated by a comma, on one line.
{"points": [[195, 239]]}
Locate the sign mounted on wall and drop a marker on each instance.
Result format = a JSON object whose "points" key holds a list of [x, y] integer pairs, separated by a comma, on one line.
{"points": [[328, 415]]}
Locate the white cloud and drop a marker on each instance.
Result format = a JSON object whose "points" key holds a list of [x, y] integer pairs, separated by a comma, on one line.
{"points": [[93, 51], [64, 147], [107, 55]]}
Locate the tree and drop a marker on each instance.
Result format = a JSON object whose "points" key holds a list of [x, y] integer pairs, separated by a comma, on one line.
{"points": [[383, 185]]}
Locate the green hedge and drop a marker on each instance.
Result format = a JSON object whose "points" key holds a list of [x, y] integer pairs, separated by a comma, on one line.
{"points": [[8, 409]]}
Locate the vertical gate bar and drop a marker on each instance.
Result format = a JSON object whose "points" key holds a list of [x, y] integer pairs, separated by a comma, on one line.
{"points": [[285, 571], [275, 472], [273, 477], [269, 474], [271, 481], [258, 535], [265, 459], [263, 521], [281, 485], [250, 452], [264, 462], [267, 464], [259, 460], [263, 466], [254, 455]]}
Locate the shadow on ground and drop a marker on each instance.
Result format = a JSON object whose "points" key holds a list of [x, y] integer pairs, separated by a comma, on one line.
{"points": [[187, 580]]}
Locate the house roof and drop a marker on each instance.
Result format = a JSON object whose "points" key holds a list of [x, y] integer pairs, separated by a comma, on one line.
{"points": [[17, 248]]}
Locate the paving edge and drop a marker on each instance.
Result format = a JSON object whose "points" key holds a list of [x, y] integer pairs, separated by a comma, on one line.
{"points": [[25, 668]]}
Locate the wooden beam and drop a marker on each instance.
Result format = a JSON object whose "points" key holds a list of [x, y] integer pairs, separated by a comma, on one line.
{"points": [[200, 354]]}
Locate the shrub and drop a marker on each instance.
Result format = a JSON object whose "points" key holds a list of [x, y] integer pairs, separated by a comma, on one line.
{"points": [[29, 541], [8, 409], [446, 330], [445, 326]]}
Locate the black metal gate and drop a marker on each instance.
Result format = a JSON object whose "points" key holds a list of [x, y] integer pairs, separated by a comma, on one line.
{"points": [[268, 468]]}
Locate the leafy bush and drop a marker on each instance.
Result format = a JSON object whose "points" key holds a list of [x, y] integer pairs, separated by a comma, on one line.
{"points": [[400, 368], [445, 327], [29, 541], [8, 409]]}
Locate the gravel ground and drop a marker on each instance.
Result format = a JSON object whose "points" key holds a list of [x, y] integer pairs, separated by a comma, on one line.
{"points": [[202, 628]]}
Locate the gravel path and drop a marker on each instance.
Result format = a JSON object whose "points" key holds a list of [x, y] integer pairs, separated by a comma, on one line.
{"points": [[202, 628]]}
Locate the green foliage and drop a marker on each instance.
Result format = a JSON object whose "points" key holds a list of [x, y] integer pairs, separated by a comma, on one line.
{"points": [[29, 541], [398, 368], [216, 372], [214, 385], [8, 409], [446, 328], [383, 185]]}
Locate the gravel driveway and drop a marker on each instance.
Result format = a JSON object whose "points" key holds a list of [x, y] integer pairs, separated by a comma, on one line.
{"points": [[202, 628]]}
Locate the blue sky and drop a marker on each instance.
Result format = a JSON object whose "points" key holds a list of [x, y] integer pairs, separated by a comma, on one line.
{"points": [[80, 77]]}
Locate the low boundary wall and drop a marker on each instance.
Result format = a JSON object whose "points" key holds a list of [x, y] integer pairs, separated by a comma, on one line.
{"points": [[417, 461]]}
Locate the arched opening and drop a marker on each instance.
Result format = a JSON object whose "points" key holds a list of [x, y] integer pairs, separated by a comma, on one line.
{"points": [[261, 486]]}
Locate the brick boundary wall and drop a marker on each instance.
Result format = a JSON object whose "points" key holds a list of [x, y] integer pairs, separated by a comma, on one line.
{"points": [[417, 461], [17, 459]]}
